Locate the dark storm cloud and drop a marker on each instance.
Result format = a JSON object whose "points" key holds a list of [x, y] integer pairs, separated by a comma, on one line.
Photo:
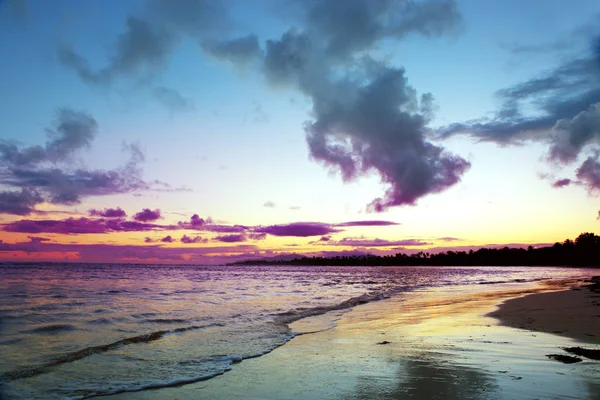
{"points": [[108, 213], [45, 173], [366, 117]]}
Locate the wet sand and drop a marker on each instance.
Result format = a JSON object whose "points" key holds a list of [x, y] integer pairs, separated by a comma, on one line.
{"points": [[573, 313], [435, 344]]}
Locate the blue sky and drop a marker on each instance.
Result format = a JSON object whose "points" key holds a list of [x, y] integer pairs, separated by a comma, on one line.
{"points": [[233, 139]]}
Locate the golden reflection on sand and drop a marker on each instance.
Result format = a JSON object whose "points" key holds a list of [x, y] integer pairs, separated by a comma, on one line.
{"points": [[435, 344]]}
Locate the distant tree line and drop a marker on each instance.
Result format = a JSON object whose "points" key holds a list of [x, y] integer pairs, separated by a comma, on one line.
{"points": [[583, 251]]}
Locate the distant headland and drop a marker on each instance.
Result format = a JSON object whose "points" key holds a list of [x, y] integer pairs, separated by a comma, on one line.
{"points": [[584, 251]]}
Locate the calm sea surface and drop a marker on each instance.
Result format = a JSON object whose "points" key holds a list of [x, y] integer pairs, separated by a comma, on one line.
{"points": [[78, 331]]}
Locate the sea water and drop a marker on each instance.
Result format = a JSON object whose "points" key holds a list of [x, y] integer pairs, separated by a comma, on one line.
{"points": [[84, 330]]}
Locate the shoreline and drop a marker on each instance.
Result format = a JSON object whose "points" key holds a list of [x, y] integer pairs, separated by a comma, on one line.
{"points": [[573, 312], [445, 336]]}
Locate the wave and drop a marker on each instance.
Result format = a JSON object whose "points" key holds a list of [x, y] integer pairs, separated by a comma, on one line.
{"points": [[166, 320], [88, 351], [300, 313], [53, 329], [227, 361]]}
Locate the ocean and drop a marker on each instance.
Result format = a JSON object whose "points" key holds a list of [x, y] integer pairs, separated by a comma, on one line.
{"points": [[84, 330]]}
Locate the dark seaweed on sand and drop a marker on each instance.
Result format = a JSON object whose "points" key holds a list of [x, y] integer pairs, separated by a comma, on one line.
{"points": [[583, 352], [564, 359]]}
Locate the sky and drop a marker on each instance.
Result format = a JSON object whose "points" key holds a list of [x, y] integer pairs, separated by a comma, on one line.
{"points": [[199, 131]]}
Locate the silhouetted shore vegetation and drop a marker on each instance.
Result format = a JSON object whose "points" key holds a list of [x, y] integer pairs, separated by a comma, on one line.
{"points": [[583, 251]]}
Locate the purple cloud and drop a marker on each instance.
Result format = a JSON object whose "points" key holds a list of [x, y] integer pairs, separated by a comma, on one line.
{"points": [[167, 239], [362, 242], [131, 253], [195, 222], [448, 239], [47, 173], [234, 238], [19, 203], [367, 223], [561, 183], [108, 213], [79, 226], [189, 240], [589, 173], [147, 215], [301, 229], [257, 236], [148, 240]]}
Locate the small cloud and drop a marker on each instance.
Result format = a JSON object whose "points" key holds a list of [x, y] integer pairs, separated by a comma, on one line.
{"points": [[147, 215], [257, 236], [189, 240], [295, 208], [148, 240], [368, 223], [300, 229], [448, 239], [561, 183], [269, 204], [108, 213], [167, 239], [233, 238]]}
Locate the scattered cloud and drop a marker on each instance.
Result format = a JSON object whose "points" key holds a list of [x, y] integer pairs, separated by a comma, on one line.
{"points": [[564, 111], [448, 239], [589, 173], [108, 213], [561, 183], [367, 223], [269, 204], [48, 173], [78, 226], [147, 215], [301, 229], [167, 239], [365, 242], [189, 240], [233, 238]]}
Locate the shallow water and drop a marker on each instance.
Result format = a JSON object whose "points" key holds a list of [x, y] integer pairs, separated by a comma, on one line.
{"points": [[76, 331]]}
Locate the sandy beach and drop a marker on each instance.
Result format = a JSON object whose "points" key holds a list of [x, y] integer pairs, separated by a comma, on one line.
{"points": [[435, 344], [573, 313]]}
